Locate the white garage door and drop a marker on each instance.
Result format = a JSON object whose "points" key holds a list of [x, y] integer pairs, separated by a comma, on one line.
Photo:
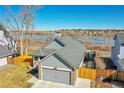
{"points": [[56, 76], [3, 61]]}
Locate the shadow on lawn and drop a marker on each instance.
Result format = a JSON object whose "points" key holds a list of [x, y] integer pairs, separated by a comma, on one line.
{"points": [[33, 72]]}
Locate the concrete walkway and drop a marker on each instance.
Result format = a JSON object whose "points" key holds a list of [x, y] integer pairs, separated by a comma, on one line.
{"points": [[4, 67], [80, 83]]}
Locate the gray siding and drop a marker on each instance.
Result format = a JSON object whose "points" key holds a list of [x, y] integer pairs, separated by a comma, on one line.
{"points": [[56, 62], [115, 52], [56, 76], [121, 52]]}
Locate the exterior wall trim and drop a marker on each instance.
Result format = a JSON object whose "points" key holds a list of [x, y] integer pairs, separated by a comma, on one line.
{"points": [[82, 59], [39, 72], [62, 69]]}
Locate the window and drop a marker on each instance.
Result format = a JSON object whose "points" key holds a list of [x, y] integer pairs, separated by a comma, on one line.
{"points": [[122, 44], [60, 42]]}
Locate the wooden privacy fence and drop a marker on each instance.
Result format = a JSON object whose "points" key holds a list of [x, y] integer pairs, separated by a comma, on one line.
{"points": [[10, 60], [87, 73], [119, 76], [105, 74], [110, 75], [23, 61], [95, 74]]}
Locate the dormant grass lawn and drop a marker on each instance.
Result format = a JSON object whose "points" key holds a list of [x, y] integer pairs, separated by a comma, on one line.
{"points": [[12, 76]]}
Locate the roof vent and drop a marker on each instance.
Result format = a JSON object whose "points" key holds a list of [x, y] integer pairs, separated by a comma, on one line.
{"points": [[60, 42]]}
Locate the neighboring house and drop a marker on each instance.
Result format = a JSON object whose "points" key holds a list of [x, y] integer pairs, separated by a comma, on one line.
{"points": [[4, 54], [117, 55], [7, 41], [57, 34], [59, 60]]}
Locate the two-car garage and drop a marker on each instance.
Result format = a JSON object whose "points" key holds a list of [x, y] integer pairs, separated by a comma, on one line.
{"points": [[56, 75], [55, 69]]}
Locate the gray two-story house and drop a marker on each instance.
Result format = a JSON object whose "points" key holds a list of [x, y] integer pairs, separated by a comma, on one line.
{"points": [[117, 55], [59, 60]]}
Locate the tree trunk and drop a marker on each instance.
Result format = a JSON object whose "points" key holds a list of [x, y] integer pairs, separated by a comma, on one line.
{"points": [[26, 44], [21, 43]]}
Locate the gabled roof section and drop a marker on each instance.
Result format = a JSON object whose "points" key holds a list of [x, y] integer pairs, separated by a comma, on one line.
{"points": [[71, 50], [120, 37], [48, 48], [56, 60], [4, 52], [55, 44], [42, 52]]}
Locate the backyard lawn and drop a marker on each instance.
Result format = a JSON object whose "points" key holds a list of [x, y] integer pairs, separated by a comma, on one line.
{"points": [[12, 76]]}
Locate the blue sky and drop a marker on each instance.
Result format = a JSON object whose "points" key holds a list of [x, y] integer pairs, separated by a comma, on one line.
{"points": [[75, 17]]}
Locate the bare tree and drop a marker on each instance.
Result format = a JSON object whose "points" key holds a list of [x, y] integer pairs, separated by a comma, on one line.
{"points": [[2, 27], [23, 22]]}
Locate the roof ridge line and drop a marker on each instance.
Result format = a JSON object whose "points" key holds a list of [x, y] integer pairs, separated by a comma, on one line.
{"points": [[49, 43], [60, 55]]}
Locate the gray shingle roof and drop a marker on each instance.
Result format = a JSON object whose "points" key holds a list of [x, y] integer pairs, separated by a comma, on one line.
{"points": [[42, 52], [4, 51], [120, 37], [72, 51]]}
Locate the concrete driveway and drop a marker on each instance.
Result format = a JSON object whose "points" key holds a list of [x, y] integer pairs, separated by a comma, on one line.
{"points": [[80, 83]]}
